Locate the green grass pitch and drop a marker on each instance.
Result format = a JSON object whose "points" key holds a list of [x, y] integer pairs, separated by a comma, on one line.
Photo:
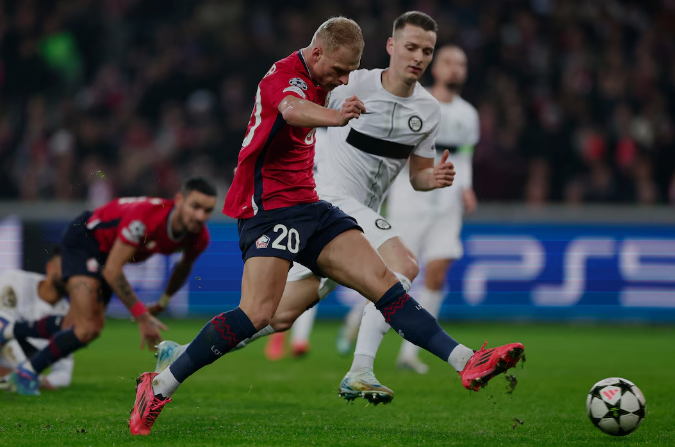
{"points": [[245, 400]]}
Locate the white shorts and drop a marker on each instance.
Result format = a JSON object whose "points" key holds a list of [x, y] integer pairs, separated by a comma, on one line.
{"points": [[432, 239], [376, 229], [429, 222]]}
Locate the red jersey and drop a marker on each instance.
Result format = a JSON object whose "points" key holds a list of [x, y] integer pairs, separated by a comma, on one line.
{"points": [[143, 222], [276, 162]]}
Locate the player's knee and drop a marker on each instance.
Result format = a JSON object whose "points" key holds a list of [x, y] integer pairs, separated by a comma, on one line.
{"points": [[284, 321], [435, 275], [260, 319], [410, 269], [281, 325], [88, 332]]}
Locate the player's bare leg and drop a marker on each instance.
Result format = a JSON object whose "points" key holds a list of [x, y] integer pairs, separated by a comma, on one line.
{"points": [[402, 261], [350, 261], [262, 286], [298, 296], [431, 297]]}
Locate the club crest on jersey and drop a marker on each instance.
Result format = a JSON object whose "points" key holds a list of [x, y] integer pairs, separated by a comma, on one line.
{"points": [[262, 242], [382, 224], [415, 123], [92, 265], [297, 82]]}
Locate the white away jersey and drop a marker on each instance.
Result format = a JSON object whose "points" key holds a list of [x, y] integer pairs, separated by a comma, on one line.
{"points": [[364, 157], [19, 296], [459, 132]]}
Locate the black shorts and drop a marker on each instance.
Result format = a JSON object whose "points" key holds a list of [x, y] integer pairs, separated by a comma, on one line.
{"points": [[297, 233], [80, 254]]}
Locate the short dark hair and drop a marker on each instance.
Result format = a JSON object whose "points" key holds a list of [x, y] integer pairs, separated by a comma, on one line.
{"points": [[415, 18], [199, 184]]}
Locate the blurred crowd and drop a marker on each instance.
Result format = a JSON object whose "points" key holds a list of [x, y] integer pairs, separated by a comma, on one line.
{"points": [[103, 98]]}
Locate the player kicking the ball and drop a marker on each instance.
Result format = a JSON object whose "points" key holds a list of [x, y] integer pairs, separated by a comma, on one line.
{"points": [[282, 220], [94, 249]]}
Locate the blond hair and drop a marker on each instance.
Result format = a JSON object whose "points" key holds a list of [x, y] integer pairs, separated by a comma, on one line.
{"points": [[339, 32]]}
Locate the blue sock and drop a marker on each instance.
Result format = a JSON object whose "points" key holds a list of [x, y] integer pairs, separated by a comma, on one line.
{"points": [[414, 323], [61, 345], [45, 327], [216, 338]]}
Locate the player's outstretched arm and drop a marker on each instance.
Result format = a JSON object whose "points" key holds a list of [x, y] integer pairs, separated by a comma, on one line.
{"points": [[180, 273], [148, 325], [424, 176], [301, 113]]}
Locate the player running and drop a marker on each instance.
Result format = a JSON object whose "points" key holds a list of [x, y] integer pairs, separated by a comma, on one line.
{"points": [[282, 220], [27, 298], [95, 247], [431, 223]]}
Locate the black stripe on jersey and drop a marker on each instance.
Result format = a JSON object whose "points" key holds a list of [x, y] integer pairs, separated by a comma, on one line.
{"points": [[302, 59], [260, 161], [104, 225], [375, 146], [451, 149]]}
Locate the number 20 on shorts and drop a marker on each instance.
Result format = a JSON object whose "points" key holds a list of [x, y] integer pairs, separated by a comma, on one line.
{"points": [[292, 242]]}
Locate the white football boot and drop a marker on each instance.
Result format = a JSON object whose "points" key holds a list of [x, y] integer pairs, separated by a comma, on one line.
{"points": [[364, 384], [167, 353]]}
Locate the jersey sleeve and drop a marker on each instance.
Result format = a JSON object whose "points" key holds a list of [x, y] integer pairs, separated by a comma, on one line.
{"points": [[196, 248], [136, 224], [276, 86]]}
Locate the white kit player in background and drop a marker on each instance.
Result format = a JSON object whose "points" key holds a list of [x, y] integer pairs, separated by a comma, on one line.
{"points": [[31, 296], [431, 223], [356, 166]]}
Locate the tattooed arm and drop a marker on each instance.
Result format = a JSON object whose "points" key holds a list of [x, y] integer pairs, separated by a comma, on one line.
{"points": [[113, 273], [180, 273], [120, 254]]}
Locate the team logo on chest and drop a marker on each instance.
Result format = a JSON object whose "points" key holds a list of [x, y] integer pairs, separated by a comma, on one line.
{"points": [[415, 123], [262, 242]]}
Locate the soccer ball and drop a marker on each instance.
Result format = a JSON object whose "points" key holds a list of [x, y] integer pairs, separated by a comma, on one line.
{"points": [[616, 406]]}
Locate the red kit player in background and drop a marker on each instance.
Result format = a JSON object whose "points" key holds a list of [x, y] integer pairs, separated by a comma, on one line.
{"points": [[95, 247], [282, 220]]}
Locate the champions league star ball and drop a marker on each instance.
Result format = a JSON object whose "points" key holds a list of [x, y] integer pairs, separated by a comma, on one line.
{"points": [[616, 406]]}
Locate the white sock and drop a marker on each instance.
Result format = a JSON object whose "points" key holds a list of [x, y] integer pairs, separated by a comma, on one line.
{"points": [[267, 330], [302, 327], [350, 329], [459, 356], [372, 330], [165, 383], [431, 300]]}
